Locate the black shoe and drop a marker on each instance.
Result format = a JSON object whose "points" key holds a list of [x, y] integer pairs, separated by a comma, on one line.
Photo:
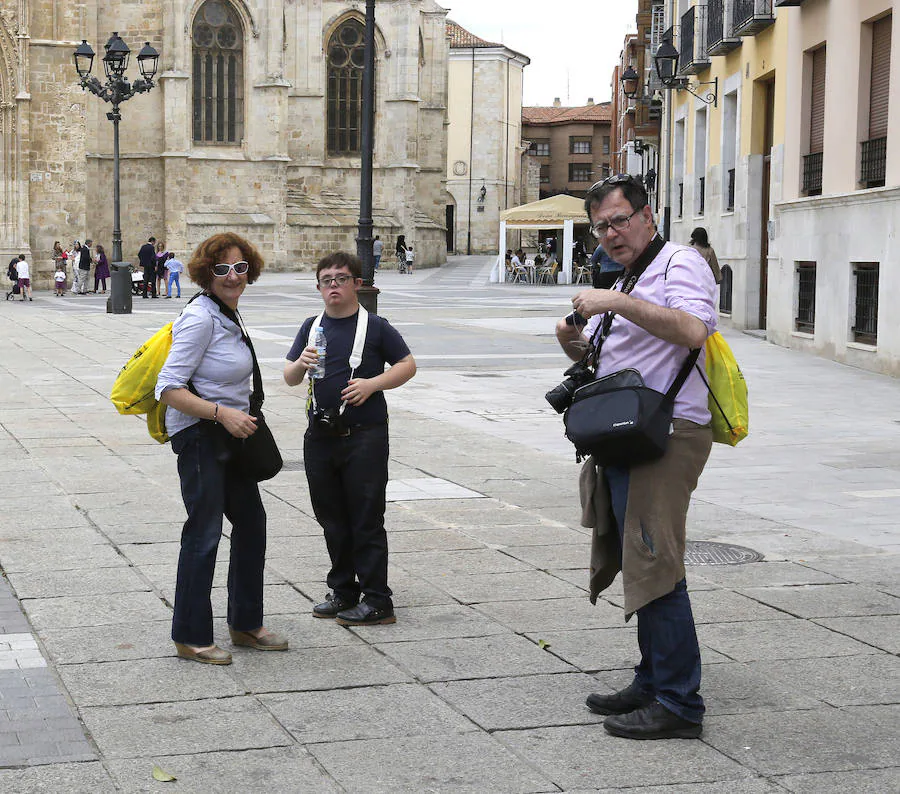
{"points": [[621, 702], [652, 722], [331, 606], [364, 614]]}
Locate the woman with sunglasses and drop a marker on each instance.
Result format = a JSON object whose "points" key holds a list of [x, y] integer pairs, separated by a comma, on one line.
{"points": [[206, 381]]}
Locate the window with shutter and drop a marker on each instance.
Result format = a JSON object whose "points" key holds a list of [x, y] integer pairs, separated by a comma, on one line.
{"points": [[812, 162], [874, 151]]}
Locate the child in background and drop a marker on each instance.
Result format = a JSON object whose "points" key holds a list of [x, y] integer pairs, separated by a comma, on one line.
{"points": [[409, 259], [59, 279]]}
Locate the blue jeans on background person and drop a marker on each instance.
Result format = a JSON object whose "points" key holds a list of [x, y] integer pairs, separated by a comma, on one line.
{"points": [[347, 479], [377, 261], [173, 279], [212, 490], [667, 637]]}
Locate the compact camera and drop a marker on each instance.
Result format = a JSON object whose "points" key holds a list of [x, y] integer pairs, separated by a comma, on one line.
{"points": [[560, 397], [330, 420]]}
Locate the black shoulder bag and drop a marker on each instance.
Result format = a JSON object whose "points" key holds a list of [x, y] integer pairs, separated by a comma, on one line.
{"points": [[617, 419], [256, 456]]}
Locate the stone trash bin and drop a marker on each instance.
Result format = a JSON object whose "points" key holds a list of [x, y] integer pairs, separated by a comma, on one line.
{"points": [[119, 301]]}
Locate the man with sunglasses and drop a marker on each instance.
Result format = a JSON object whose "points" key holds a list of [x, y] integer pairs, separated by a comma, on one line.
{"points": [[658, 310], [345, 449]]}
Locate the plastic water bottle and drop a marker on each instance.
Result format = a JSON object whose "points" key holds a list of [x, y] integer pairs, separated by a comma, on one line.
{"points": [[318, 371]]}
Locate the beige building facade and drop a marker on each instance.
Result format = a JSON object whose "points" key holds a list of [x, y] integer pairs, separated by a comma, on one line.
{"points": [[253, 126], [836, 224], [485, 169]]}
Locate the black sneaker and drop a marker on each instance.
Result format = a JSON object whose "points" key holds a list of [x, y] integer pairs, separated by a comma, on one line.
{"points": [[652, 722], [621, 702], [331, 606], [364, 614]]}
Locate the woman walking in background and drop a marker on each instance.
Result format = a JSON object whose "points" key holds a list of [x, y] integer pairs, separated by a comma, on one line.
{"points": [[400, 250], [162, 256], [700, 241], [101, 271]]}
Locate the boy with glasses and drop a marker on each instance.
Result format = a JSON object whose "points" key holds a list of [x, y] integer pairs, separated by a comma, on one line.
{"points": [[345, 449], [658, 310]]}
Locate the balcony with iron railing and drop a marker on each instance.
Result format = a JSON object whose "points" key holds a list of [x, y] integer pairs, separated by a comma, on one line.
{"points": [[872, 163], [752, 16], [692, 48], [719, 38]]}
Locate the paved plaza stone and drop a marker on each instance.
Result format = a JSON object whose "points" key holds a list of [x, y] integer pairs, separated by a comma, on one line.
{"points": [[480, 685]]}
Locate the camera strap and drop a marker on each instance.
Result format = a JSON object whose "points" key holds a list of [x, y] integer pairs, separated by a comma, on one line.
{"points": [[356, 354], [257, 396]]}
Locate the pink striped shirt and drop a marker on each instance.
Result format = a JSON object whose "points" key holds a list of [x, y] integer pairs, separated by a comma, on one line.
{"points": [[689, 287]]}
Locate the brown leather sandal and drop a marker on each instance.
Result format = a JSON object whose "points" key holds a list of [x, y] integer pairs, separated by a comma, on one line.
{"points": [[270, 641], [214, 655]]}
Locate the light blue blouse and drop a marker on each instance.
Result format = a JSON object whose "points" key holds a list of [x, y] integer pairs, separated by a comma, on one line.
{"points": [[207, 350]]}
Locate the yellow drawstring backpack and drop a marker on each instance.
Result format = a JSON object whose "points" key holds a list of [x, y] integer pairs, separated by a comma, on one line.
{"points": [[727, 392], [135, 387]]}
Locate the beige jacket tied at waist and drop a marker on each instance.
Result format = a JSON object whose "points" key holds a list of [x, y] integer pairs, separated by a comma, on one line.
{"points": [[658, 497]]}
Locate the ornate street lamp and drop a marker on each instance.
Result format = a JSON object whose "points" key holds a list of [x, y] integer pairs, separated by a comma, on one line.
{"points": [[116, 90], [666, 61], [368, 294], [630, 82]]}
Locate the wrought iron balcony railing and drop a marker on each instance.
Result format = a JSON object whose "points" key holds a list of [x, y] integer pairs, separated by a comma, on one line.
{"points": [[693, 58], [719, 37], [752, 16], [872, 163], [812, 174]]}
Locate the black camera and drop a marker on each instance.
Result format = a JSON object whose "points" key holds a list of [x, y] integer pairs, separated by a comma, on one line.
{"points": [[330, 420], [577, 376]]}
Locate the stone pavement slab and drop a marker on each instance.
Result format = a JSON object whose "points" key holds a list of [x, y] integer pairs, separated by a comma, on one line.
{"points": [[582, 756], [870, 781], [529, 701], [815, 740], [144, 639], [288, 769], [554, 614], [472, 657], [826, 601], [374, 712], [72, 778], [879, 631], [472, 763], [765, 640], [196, 726]]}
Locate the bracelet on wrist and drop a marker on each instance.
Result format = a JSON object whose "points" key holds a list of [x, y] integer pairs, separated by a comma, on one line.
{"points": [[216, 413]]}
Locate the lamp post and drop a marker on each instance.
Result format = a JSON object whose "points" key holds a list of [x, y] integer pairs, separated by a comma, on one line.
{"points": [[368, 293], [116, 90]]}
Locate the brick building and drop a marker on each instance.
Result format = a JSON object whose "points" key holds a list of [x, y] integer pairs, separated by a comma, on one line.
{"points": [[572, 144]]}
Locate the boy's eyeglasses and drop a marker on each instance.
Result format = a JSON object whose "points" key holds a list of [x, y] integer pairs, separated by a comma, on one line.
{"points": [[221, 270], [327, 281]]}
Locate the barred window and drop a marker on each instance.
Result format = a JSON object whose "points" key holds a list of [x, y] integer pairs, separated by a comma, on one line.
{"points": [[346, 60], [865, 326], [805, 318], [579, 172], [218, 74], [541, 147]]}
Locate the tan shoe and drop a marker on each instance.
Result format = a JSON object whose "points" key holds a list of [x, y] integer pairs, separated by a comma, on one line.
{"points": [[214, 655], [268, 641]]}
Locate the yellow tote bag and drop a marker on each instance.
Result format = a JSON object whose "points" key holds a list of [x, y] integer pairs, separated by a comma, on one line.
{"points": [[134, 389], [727, 393]]}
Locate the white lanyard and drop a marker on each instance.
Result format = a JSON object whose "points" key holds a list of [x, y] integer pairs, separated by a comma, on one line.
{"points": [[359, 342]]}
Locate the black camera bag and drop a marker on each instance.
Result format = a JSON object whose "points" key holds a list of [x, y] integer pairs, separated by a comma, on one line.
{"points": [[621, 422]]}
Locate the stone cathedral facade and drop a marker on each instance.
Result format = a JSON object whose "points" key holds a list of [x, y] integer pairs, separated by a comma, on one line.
{"points": [[253, 127]]}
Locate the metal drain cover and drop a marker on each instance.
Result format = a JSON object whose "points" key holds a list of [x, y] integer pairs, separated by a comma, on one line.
{"points": [[702, 552]]}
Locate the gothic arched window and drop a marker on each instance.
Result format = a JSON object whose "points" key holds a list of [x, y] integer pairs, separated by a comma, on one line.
{"points": [[346, 59], [218, 55]]}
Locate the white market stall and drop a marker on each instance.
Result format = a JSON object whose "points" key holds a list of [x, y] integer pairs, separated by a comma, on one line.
{"points": [[557, 212]]}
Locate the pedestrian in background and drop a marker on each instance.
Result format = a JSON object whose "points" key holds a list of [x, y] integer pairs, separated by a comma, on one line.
{"points": [[700, 241], [84, 269], [377, 250], [101, 271], [400, 251], [206, 384], [23, 271], [59, 280], [175, 268], [147, 259], [12, 273], [162, 256]]}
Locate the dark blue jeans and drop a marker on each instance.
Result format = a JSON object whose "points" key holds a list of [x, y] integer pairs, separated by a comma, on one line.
{"points": [[347, 480], [211, 490], [670, 653]]}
